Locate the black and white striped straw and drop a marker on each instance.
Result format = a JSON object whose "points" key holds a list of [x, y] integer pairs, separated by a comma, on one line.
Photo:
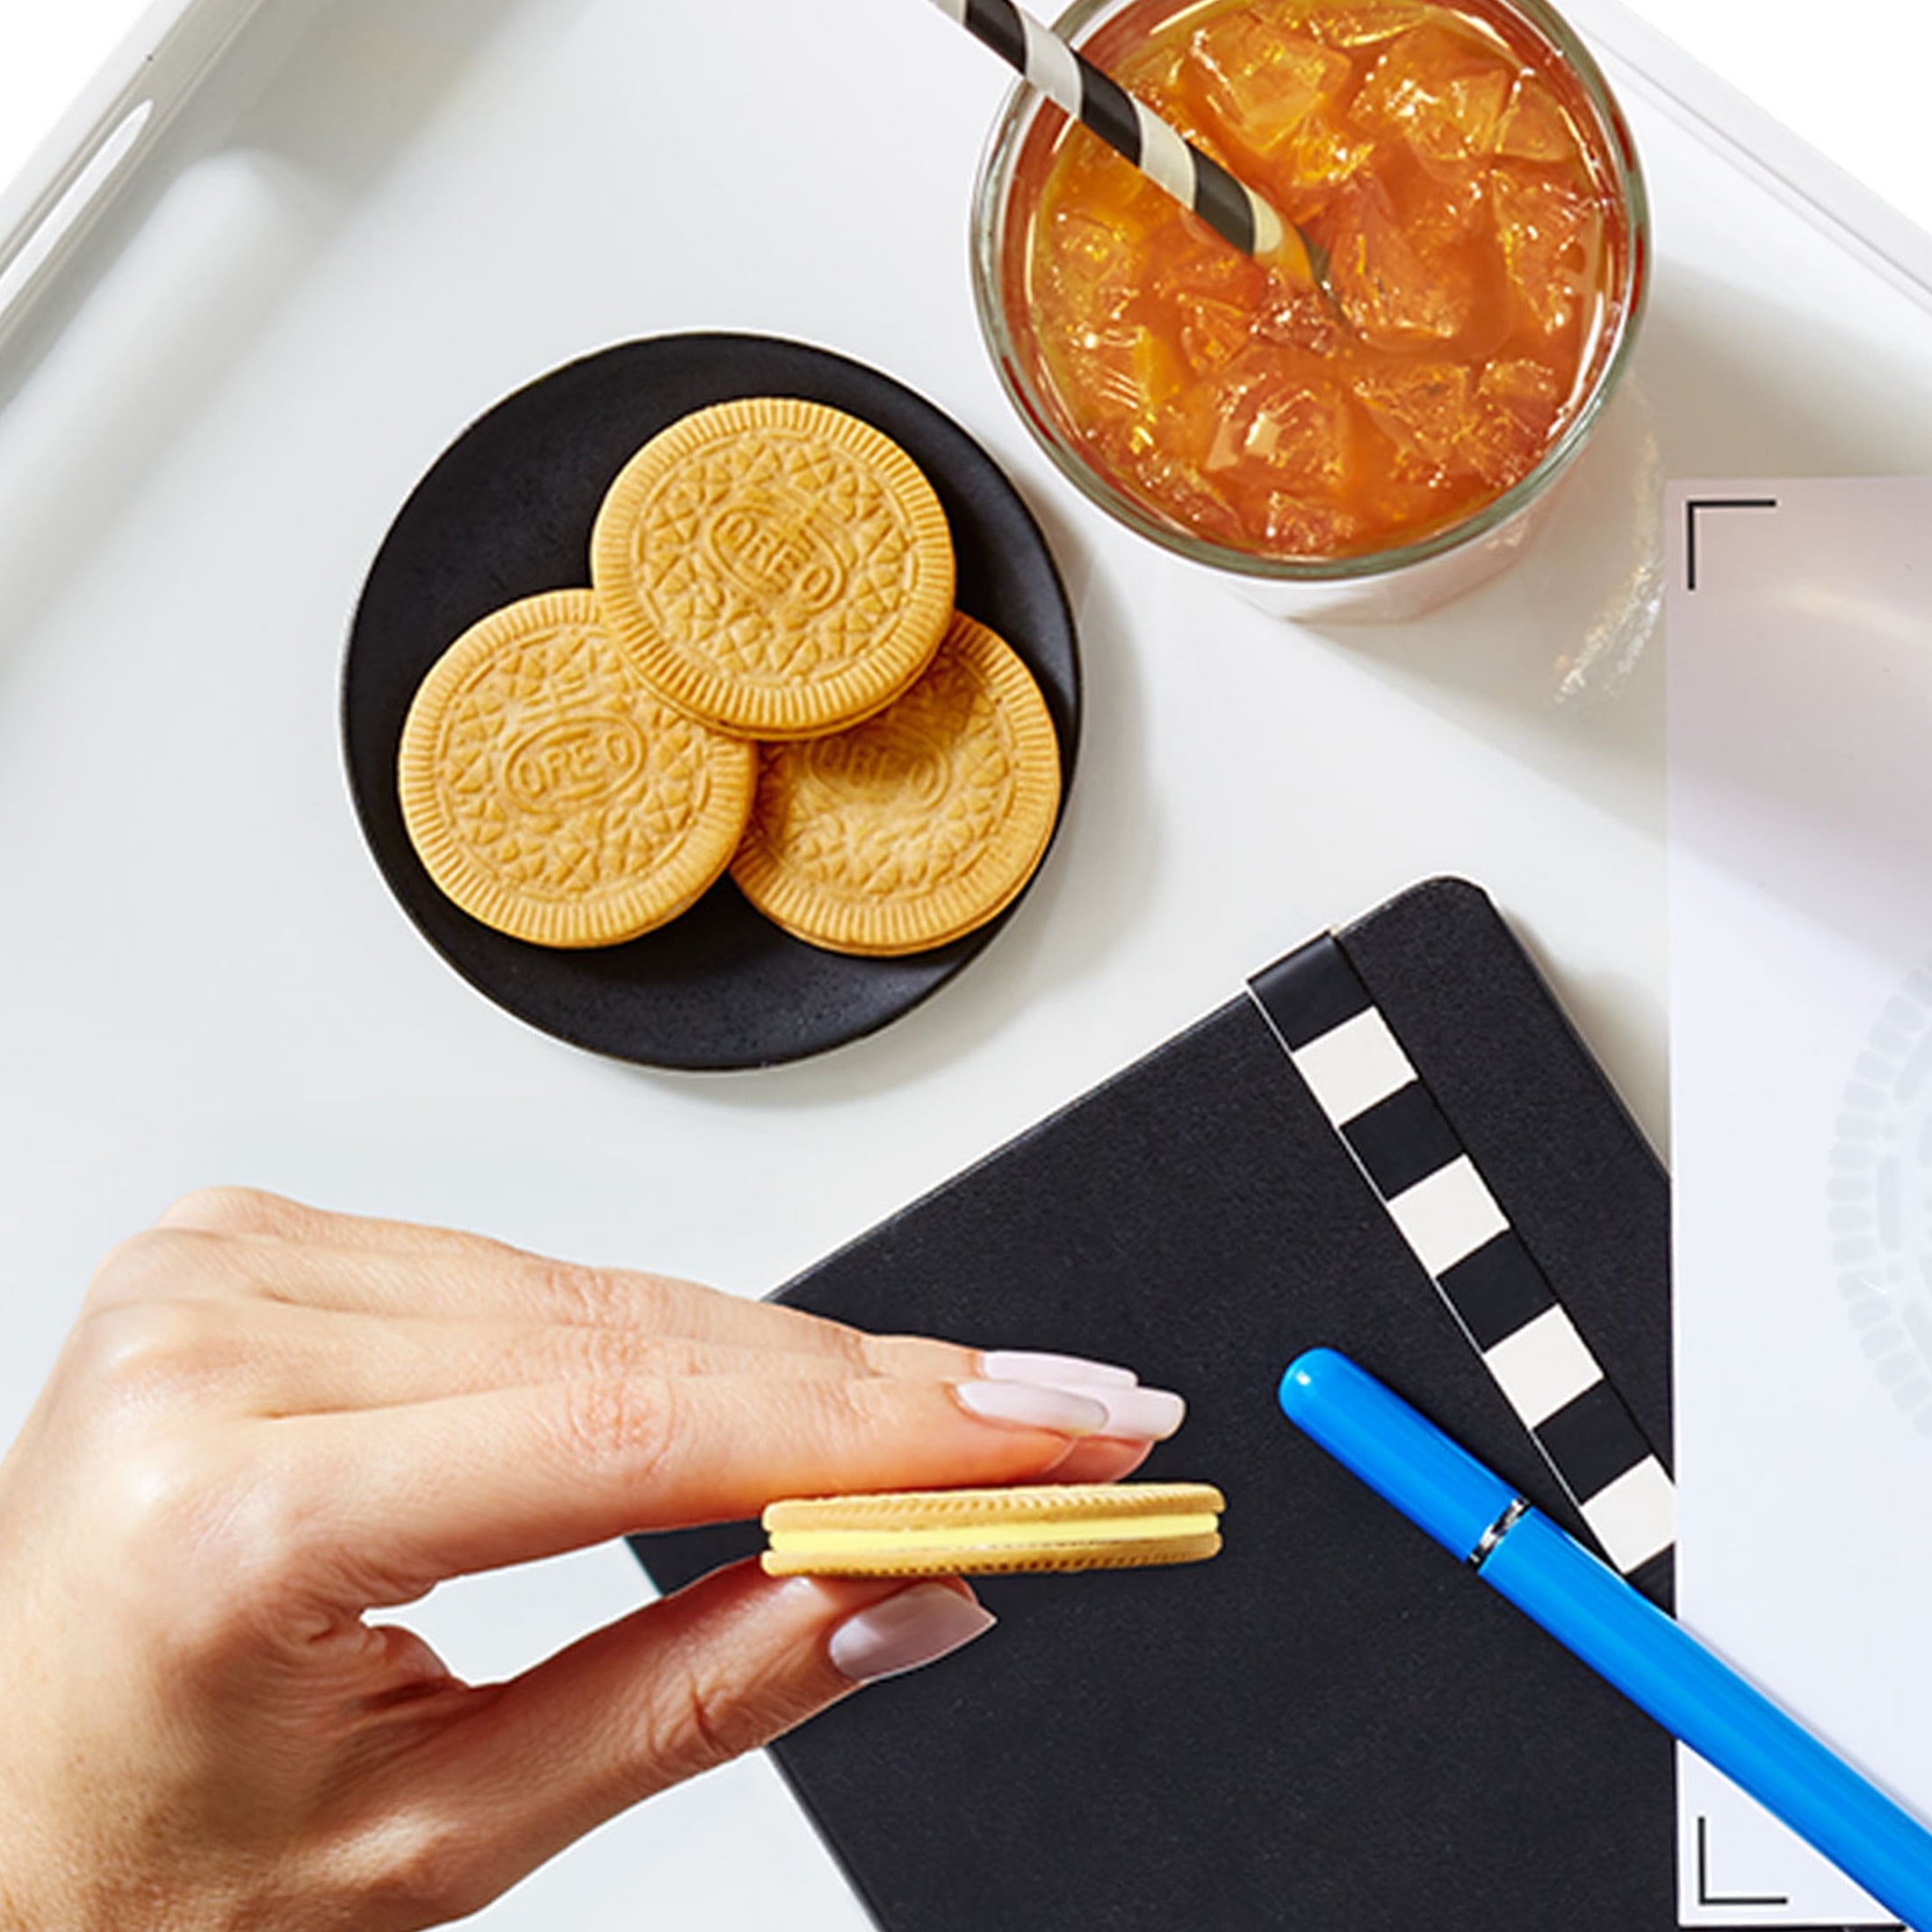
{"points": [[1139, 136]]}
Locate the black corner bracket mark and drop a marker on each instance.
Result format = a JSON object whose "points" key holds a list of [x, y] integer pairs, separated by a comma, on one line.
{"points": [[1692, 505], [1705, 1896]]}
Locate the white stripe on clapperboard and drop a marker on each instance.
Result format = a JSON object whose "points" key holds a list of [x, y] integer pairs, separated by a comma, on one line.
{"points": [[1444, 1218]]}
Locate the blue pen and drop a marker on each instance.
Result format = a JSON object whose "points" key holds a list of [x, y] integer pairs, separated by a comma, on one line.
{"points": [[1625, 1639]]}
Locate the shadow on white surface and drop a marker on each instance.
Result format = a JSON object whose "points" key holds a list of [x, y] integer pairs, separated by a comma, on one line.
{"points": [[1547, 663], [125, 352]]}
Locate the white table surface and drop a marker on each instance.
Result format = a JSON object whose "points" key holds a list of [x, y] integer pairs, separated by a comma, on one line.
{"points": [[1804, 65], [376, 1082]]}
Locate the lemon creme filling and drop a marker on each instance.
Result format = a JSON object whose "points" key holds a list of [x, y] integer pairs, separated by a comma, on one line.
{"points": [[1136, 1529]]}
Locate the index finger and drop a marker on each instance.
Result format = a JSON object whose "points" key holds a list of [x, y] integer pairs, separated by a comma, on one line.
{"points": [[439, 1488]]}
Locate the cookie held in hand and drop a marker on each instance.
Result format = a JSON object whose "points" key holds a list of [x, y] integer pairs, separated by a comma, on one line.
{"points": [[957, 1533]]}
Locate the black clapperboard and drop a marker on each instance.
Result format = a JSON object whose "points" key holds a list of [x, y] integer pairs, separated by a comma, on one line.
{"points": [[1391, 1142]]}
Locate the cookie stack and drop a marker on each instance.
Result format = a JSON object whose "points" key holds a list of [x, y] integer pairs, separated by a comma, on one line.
{"points": [[767, 676]]}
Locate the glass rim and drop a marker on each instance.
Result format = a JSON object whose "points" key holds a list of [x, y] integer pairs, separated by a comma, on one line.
{"points": [[1017, 113]]}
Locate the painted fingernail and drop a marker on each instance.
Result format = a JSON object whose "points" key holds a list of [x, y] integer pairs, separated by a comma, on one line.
{"points": [[1024, 1365], [1142, 1414], [918, 1626], [1031, 1405]]}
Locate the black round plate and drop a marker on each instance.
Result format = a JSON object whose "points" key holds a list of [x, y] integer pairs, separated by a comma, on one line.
{"points": [[505, 513]]}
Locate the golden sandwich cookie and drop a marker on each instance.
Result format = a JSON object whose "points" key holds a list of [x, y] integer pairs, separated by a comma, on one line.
{"points": [[776, 567], [912, 828], [954, 1532], [551, 794]]}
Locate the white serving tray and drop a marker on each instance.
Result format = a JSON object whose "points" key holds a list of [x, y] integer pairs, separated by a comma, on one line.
{"points": [[344, 228]]}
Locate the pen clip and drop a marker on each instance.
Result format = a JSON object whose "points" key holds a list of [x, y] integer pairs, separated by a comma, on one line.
{"points": [[1517, 1510]]}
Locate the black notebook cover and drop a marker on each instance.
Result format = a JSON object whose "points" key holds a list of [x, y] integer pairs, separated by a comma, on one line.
{"points": [[1333, 1724]]}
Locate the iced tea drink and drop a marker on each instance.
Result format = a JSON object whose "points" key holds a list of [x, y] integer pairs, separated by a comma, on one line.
{"points": [[1472, 189]]}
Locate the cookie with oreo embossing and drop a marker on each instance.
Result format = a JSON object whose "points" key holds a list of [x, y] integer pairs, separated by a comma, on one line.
{"points": [[917, 826], [774, 567], [551, 794]]}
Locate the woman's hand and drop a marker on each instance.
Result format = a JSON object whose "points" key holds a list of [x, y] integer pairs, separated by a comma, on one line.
{"points": [[270, 1421]]}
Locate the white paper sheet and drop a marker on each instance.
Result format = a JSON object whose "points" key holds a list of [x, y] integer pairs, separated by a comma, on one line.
{"points": [[1800, 731]]}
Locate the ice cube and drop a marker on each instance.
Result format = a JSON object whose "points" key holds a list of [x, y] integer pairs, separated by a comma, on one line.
{"points": [[1524, 390], [1317, 156], [1104, 365], [1212, 332], [1160, 74], [1184, 428], [1412, 507], [1089, 270], [1535, 125], [1443, 93], [1447, 424], [1515, 415], [1296, 318], [1552, 238], [1262, 80], [1183, 253], [1298, 429], [1282, 424], [1501, 454], [1445, 205], [1199, 291], [1130, 371], [1392, 290], [1293, 526], [1177, 492], [1424, 409]]}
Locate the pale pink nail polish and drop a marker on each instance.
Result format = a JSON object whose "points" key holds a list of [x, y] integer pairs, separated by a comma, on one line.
{"points": [[1024, 1365], [1029, 1405], [1122, 1410], [916, 1626], [1142, 1414]]}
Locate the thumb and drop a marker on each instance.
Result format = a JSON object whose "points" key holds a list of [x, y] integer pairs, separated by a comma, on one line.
{"points": [[675, 1689]]}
